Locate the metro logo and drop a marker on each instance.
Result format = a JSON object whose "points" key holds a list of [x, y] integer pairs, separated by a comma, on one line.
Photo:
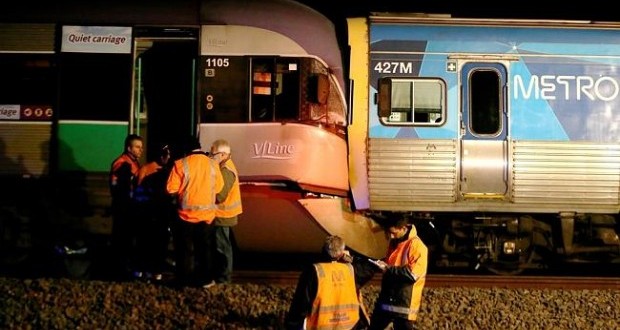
{"points": [[550, 87]]}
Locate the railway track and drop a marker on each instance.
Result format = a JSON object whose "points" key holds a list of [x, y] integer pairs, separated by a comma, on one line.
{"points": [[479, 281]]}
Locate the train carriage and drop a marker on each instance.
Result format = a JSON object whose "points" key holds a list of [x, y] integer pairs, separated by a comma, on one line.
{"points": [[501, 132]]}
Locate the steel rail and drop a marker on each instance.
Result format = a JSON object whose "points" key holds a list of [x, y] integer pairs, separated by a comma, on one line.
{"points": [[456, 281]]}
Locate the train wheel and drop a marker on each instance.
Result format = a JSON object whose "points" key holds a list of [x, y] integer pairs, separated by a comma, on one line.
{"points": [[497, 261]]}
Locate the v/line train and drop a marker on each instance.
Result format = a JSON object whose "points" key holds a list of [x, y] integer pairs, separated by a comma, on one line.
{"points": [[497, 138]]}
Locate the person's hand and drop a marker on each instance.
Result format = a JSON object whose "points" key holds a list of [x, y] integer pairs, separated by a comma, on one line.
{"points": [[346, 257], [382, 265]]}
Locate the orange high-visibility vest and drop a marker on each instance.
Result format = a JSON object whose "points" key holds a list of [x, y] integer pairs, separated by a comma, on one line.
{"points": [[196, 179], [118, 162], [336, 305], [146, 170], [231, 206], [413, 254]]}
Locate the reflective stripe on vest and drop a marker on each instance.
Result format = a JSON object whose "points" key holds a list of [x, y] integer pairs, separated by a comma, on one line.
{"points": [[231, 206], [336, 305], [196, 179], [186, 178]]}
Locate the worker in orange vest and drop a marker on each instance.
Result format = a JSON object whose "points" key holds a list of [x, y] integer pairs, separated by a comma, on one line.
{"points": [[226, 215], [122, 181], [404, 275], [194, 180]]}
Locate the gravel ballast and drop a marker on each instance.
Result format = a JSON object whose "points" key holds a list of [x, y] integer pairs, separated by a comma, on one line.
{"points": [[89, 304]]}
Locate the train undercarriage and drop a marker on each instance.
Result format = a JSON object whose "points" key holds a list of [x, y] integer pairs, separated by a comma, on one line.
{"points": [[508, 244], [500, 243]]}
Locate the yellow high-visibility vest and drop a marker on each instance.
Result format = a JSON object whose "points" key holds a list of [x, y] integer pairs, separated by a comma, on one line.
{"points": [[336, 305], [231, 206]]}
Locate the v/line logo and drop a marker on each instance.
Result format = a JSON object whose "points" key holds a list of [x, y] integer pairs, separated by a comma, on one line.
{"points": [[271, 150]]}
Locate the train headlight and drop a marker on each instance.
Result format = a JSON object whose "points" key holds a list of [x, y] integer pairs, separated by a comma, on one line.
{"points": [[510, 247]]}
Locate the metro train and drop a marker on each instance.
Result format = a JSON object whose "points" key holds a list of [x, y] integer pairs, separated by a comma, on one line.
{"points": [[497, 138]]}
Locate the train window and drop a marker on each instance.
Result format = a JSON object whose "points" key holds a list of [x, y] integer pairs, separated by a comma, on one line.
{"points": [[321, 100], [27, 79], [275, 89], [485, 93], [264, 81], [95, 86], [318, 88], [268, 89], [415, 101]]}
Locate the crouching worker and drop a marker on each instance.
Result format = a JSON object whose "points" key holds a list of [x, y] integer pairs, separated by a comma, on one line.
{"points": [[327, 293]]}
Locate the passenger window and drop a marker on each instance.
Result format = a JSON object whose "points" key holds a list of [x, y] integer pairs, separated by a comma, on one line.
{"points": [[416, 101]]}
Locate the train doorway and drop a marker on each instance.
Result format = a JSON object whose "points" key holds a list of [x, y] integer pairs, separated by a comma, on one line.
{"points": [[164, 86], [484, 153]]}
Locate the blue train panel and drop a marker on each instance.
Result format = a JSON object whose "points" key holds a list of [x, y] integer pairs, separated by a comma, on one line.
{"points": [[563, 83]]}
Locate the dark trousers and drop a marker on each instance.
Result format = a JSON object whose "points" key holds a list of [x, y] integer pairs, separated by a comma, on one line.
{"points": [[123, 236], [222, 254], [152, 239], [192, 252], [381, 319]]}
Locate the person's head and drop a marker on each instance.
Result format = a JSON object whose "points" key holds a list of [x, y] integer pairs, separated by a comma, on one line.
{"points": [[397, 228], [134, 145], [220, 150], [335, 248]]}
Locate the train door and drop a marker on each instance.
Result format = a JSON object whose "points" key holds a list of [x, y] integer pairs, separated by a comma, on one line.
{"points": [[163, 110], [484, 170]]}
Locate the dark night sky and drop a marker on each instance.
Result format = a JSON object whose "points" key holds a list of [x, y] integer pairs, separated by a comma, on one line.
{"points": [[596, 10], [337, 10]]}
